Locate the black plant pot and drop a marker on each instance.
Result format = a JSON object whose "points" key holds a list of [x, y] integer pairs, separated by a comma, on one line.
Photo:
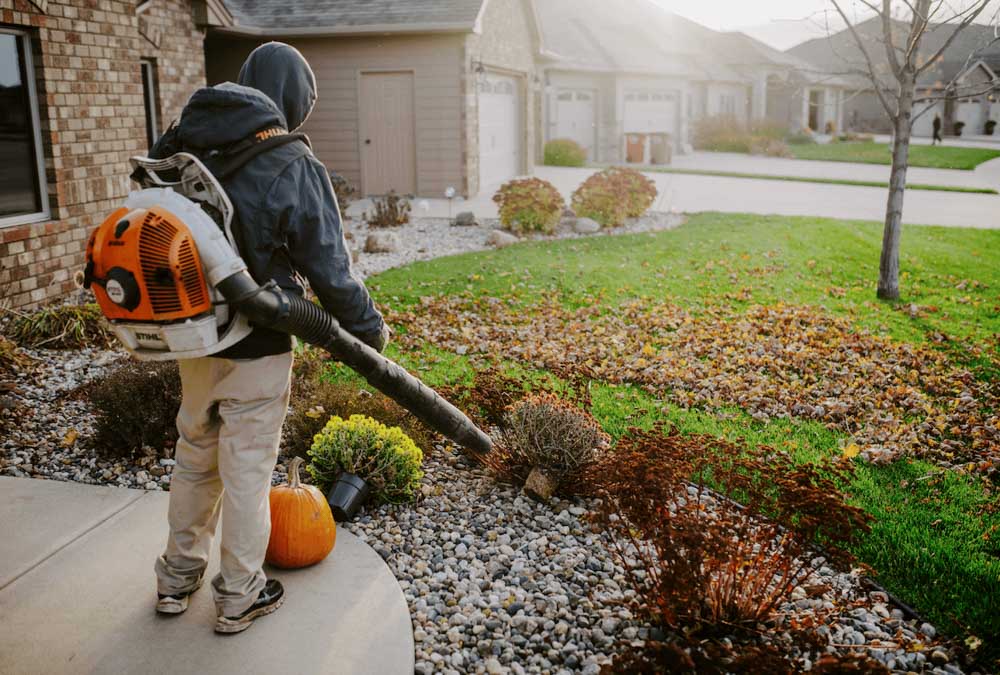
{"points": [[347, 495]]}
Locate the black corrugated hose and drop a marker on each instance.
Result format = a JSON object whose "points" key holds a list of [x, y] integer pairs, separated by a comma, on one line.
{"points": [[270, 306]]}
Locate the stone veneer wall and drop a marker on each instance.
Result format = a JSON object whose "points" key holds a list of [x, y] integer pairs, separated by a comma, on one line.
{"points": [[89, 83]]}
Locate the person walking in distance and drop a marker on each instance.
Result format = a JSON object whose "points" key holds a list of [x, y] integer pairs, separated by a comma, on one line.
{"points": [[937, 130]]}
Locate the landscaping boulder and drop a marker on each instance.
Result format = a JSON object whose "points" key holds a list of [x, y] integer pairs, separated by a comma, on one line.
{"points": [[586, 226], [539, 485], [501, 239], [465, 219], [381, 242]]}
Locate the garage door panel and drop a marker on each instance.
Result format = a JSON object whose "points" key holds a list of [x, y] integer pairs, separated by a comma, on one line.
{"points": [[576, 118], [650, 112], [499, 130]]}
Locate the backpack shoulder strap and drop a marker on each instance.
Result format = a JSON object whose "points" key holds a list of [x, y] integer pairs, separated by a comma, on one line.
{"points": [[226, 163]]}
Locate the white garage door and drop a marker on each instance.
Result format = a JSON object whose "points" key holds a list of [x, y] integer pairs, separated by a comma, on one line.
{"points": [[924, 125], [499, 130], [575, 118], [970, 112], [650, 112]]}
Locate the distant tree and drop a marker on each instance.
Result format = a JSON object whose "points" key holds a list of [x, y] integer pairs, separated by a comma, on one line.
{"points": [[894, 80]]}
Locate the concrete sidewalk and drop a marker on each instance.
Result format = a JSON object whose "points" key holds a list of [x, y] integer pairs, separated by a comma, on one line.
{"points": [[692, 194], [77, 593], [804, 168]]}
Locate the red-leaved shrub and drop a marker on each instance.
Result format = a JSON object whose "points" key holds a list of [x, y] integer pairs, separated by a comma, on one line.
{"points": [[704, 560], [612, 195], [529, 205]]}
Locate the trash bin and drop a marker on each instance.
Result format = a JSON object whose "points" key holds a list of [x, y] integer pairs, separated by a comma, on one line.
{"points": [[635, 148], [661, 150]]}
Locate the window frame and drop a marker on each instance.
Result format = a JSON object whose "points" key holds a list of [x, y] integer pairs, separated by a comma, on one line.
{"points": [[151, 99], [23, 39]]}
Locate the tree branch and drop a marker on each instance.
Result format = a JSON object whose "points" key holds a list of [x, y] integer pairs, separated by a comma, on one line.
{"points": [[972, 15], [868, 58], [890, 51]]}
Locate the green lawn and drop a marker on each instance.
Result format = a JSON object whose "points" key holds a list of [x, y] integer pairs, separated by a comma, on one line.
{"points": [[935, 541], [929, 156]]}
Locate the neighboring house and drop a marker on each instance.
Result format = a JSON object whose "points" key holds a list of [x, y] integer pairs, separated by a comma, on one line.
{"points": [[415, 96], [83, 86], [784, 88], [620, 77], [963, 82]]}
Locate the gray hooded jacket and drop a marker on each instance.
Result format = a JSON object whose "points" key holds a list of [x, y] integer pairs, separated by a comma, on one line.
{"points": [[286, 218]]}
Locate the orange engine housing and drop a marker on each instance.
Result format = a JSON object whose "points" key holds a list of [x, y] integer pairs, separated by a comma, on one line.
{"points": [[144, 267]]}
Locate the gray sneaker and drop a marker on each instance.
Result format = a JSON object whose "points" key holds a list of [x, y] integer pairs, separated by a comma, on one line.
{"points": [[269, 599], [176, 603]]}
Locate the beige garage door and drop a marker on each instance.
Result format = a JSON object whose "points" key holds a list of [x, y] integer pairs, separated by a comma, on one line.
{"points": [[388, 149]]}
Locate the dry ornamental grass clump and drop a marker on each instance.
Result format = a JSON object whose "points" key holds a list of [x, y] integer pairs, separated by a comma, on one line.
{"points": [[61, 327], [547, 443], [776, 361]]}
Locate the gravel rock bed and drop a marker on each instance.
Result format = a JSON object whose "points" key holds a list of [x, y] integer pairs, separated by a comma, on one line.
{"points": [[497, 582], [428, 238]]}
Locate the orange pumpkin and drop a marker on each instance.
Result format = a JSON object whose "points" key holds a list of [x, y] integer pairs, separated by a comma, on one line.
{"points": [[303, 531]]}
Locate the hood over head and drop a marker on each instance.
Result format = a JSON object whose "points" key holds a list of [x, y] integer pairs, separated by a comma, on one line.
{"points": [[281, 72], [217, 116]]}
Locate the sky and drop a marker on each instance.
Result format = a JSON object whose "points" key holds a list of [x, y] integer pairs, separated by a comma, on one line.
{"points": [[781, 23]]}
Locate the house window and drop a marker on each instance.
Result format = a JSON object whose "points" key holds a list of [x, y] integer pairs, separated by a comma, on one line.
{"points": [[151, 98], [23, 195]]}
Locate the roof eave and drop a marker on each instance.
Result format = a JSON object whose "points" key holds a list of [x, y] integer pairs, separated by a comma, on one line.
{"points": [[344, 31]]}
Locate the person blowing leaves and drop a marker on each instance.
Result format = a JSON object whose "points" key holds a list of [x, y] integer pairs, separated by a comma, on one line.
{"points": [[286, 222]]}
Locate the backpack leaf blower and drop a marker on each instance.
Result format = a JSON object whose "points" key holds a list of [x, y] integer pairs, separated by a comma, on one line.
{"points": [[167, 276]]}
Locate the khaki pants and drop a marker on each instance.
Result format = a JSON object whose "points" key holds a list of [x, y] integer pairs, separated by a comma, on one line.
{"points": [[230, 426]]}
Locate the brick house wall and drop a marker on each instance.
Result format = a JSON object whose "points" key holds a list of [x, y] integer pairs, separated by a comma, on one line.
{"points": [[92, 115]]}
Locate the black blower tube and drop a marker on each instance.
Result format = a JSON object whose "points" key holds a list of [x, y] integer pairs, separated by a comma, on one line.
{"points": [[272, 307]]}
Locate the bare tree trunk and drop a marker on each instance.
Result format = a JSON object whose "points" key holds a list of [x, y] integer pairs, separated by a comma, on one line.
{"points": [[888, 279]]}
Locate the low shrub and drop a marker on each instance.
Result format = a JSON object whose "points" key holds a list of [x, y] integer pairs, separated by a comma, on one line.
{"points": [[61, 327], [700, 561], [529, 205], [721, 133], [386, 458], [316, 397], [344, 191], [989, 126], [765, 128], [135, 407], [959, 126], [391, 210], [769, 147], [564, 152], [612, 195], [546, 433]]}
